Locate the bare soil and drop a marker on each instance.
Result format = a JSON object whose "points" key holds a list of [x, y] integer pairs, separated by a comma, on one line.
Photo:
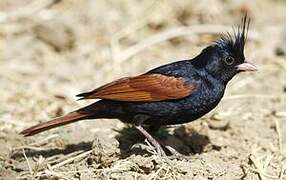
{"points": [[51, 50]]}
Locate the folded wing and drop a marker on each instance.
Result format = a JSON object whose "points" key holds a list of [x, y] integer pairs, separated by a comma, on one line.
{"points": [[144, 88]]}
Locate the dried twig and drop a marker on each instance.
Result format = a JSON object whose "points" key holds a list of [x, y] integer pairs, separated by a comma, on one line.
{"points": [[29, 166], [267, 161], [45, 140], [155, 176], [259, 168], [35, 145], [282, 172], [50, 172], [277, 128], [29, 147], [264, 174], [56, 159], [71, 159], [63, 174]]}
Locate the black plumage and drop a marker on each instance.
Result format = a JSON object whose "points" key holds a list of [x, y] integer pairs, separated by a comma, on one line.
{"points": [[175, 93]]}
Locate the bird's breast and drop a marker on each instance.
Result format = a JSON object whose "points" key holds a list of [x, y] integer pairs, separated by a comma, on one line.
{"points": [[202, 101]]}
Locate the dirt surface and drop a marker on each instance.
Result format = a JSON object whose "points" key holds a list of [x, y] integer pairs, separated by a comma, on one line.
{"points": [[51, 50]]}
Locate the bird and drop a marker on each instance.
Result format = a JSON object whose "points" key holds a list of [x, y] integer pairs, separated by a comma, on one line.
{"points": [[175, 93]]}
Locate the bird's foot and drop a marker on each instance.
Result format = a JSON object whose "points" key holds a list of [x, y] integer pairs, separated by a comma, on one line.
{"points": [[176, 155], [158, 150], [161, 153], [144, 147]]}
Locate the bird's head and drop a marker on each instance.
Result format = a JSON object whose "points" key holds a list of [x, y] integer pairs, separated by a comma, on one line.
{"points": [[225, 58]]}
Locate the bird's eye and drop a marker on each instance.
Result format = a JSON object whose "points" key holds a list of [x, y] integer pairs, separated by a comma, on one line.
{"points": [[229, 60]]}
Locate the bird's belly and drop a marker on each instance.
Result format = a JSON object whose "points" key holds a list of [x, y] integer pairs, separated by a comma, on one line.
{"points": [[195, 106], [175, 112], [191, 111]]}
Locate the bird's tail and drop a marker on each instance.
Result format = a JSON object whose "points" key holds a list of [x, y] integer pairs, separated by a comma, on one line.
{"points": [[60, 121], [88, 112]]}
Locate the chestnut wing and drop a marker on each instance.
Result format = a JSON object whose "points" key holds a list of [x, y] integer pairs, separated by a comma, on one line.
{"points": [[144, 88]]}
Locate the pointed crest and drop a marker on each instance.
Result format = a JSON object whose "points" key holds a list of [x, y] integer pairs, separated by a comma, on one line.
{"points": [[235, 42]]}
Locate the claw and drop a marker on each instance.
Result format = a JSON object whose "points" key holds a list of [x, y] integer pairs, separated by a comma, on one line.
{"points": [[141, 146], [177, 155]]}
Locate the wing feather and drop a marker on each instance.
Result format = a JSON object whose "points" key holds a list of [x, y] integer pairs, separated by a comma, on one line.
{"points": [[146, 88]]}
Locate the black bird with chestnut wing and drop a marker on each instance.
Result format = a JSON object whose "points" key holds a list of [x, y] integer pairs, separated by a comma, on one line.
{"points": [[175, 93]]}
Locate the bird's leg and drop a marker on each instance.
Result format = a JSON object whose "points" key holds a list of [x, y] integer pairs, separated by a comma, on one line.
{"points": [[140, 119], [151, 140]]}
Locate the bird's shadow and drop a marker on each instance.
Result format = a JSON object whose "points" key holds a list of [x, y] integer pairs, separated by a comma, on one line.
{"points": [[181, 140], [68, 149]]}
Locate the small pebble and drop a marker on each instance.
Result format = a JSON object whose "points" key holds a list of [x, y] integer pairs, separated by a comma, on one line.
{"points": [[279, 51]]}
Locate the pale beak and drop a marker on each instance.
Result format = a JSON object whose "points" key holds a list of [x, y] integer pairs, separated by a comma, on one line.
{"points": [[246, 66]]}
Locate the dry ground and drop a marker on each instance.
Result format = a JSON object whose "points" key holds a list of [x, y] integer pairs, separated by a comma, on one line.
{"points": [[51, 50]]}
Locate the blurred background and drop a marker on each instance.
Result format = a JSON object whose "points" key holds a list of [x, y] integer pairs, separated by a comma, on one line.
{"points": [[51, 50]]}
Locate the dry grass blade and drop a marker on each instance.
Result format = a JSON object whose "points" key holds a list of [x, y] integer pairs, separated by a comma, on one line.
{"points": [[267, 176], [155, 176], [277, 128], [259, 167], [82, 155], [267, 161], [29, 147], [45, 140], [260, 170], [282, 173], [49, 172], [28, 163]]}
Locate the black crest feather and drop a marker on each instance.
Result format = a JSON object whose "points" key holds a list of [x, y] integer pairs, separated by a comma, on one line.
{"points": [[235, 42]]}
